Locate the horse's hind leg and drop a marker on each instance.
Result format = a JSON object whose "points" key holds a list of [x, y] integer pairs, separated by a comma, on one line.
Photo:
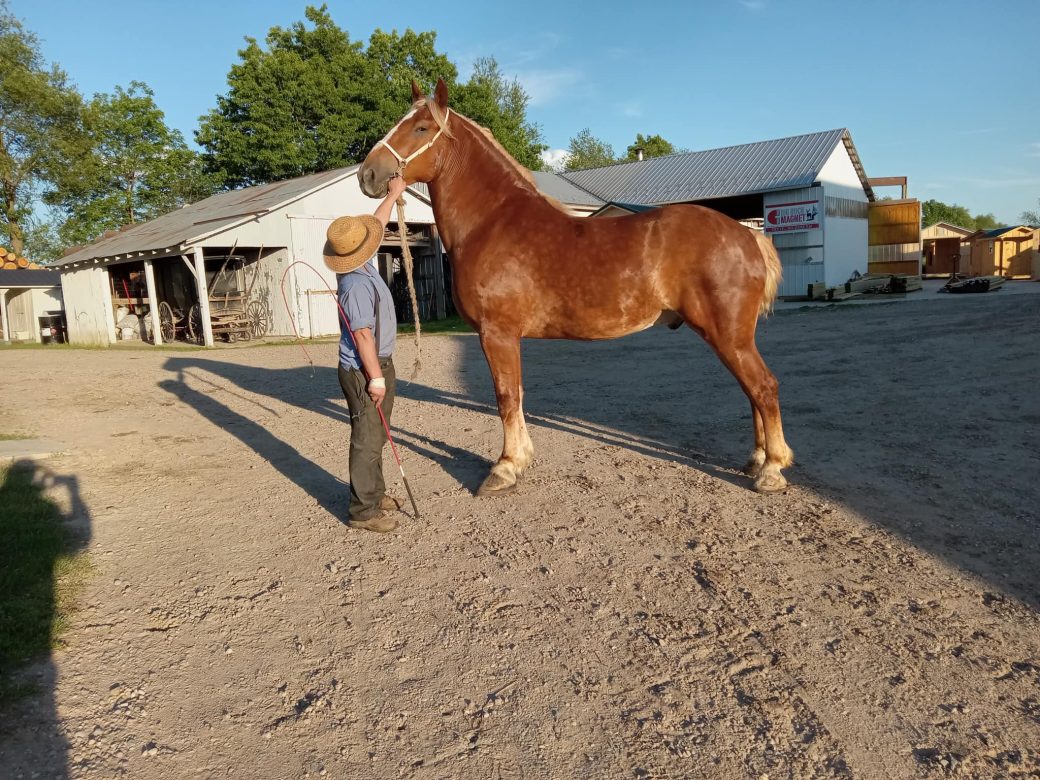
{"points": [[762, 389], [758, 455], [503, 357]]}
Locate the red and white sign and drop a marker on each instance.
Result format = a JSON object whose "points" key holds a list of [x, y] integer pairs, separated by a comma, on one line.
{"points": [[793, 217]]}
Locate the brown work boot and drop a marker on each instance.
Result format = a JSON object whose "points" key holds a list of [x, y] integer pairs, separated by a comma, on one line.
{"points": [[381, 523], [389, 503]]}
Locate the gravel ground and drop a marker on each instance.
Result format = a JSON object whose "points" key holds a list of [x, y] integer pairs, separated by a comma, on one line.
{"points": [[633, 610]]}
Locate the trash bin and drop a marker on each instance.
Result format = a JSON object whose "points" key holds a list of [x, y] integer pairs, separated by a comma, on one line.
{"points": [[52, 329]]}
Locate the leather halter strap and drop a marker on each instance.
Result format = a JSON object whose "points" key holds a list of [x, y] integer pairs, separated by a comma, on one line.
{"points": [[403, 161]]}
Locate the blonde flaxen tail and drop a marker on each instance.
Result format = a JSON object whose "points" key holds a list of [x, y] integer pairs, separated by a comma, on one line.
{"points": [[774, 272]]}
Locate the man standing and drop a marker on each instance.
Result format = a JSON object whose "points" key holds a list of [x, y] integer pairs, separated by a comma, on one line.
{"points": [[366, 367]]}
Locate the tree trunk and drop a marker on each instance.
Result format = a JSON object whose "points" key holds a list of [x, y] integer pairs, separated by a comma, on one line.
{"points": [[14, 227]]}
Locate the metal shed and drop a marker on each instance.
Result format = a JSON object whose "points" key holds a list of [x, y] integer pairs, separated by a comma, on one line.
{"points": [[810, 192], [205, 262]]}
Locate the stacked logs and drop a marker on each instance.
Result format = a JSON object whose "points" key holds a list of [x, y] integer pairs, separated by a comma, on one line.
{"points": [[11, 261]]}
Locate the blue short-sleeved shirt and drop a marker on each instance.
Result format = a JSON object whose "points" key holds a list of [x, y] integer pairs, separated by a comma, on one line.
{"points": [[368, 303]]}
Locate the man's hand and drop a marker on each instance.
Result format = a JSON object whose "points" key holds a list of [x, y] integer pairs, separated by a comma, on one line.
{"points": [[377, 390], [395, 187]]}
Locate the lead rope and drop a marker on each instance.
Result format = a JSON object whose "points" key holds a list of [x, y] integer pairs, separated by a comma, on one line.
{"points": [[408, 271]]}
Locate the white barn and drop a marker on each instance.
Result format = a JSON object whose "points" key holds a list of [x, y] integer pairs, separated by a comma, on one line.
{"points": [[202, 260], [809, 193], [26, 296]]}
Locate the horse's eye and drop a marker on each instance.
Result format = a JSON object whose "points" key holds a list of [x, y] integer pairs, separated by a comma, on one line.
{"points": [[421, 129]]}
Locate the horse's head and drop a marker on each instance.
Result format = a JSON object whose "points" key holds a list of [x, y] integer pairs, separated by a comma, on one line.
{"points": [[414, 147]]}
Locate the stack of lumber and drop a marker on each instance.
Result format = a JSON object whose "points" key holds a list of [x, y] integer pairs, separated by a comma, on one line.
{"points": [[11, 261]]}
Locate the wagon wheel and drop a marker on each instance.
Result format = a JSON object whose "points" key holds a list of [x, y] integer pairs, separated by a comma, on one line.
{"points": [[195, 323], [232, 337], [259, 319], [167, 323]]}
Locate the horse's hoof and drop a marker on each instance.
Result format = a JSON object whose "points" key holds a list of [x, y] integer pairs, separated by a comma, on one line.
{"points": [[770, 482], [496, 485]]}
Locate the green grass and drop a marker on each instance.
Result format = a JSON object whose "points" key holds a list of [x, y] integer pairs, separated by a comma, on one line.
{"points": [[13, 436], [454, 324], [41, 576]]}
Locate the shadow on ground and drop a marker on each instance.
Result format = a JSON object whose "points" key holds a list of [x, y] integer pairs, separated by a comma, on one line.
{"points": [[37, 562], [921, 418]]}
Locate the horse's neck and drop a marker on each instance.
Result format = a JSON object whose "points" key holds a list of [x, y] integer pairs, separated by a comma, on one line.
{"points": [[473, 184]]}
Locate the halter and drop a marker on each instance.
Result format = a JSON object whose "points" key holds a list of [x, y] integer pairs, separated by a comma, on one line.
{"points": [[403, 161]]}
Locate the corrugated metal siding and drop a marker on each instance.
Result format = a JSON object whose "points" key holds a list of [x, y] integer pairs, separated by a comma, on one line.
{"points": [[784, 163]]}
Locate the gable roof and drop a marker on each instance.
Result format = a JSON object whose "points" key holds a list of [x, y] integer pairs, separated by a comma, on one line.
{"points": [[998, 232], [29, 278], [950, 226], [764, 166], [215, 214], [631, 208], [556, 186]]}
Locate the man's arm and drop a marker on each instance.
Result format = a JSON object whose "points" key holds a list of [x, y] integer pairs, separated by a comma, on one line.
{"points": [[369, 357], [394, 188]]}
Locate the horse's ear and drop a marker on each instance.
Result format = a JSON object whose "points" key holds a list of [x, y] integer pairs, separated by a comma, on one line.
{"points": [[417, 93], [440, 95]]}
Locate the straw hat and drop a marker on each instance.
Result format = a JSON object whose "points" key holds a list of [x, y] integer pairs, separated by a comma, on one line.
{"points": [[351, 242]]}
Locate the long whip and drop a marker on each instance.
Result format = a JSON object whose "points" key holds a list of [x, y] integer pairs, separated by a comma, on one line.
{"points": [[346, 322]]}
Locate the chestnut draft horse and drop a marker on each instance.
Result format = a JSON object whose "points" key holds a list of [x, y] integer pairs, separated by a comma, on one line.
{"points": [[523, 268]]}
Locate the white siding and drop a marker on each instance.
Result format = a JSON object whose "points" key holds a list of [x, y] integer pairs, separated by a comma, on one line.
{"points": [[88, 306], [839, 176], [313, 307]]}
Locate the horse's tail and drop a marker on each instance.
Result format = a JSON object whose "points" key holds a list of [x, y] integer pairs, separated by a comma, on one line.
{"points": [[774, 272]]}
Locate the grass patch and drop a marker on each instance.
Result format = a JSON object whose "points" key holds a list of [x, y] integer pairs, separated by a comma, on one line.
{"points": [[453, 324], [41, 576], [13, 436]]}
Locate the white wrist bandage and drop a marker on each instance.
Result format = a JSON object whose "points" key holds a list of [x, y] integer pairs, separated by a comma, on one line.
{"points": [[379, 382]]}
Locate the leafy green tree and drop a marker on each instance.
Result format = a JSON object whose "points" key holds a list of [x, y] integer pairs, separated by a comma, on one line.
{"points": [[40, 124], [933, 211], [137, 168], [1031, 217], [500, 105], [587, 151], [311, 99], [652, 146]]}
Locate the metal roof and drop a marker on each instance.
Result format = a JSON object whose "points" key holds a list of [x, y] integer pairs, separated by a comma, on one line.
{"points": [[29, 278], [196, 221], [997, 232], [781, 164], [555, 186]]}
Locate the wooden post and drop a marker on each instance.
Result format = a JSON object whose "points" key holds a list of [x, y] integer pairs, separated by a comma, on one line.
{"points": [[3, 316], [153, 303], [203, 291], [438, 275]]}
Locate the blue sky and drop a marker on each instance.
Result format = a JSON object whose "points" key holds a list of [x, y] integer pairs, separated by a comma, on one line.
{"points": [[945, 93]]}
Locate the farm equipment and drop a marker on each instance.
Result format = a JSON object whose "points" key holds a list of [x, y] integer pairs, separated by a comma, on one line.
{"points": [[233, 315]]}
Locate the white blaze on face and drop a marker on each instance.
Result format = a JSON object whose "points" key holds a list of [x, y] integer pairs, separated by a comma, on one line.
{"points": [[394, 129]]}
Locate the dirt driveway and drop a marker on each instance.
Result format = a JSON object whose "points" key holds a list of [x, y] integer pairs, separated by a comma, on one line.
{"points": [[632, 611]]}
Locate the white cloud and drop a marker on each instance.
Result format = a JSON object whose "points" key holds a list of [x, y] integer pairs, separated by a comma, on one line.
{"points": [[555, 159], [545, 86], [631, 108]]}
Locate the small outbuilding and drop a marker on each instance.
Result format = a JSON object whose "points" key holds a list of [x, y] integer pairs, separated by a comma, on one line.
{"points": [[215, 269], [1006, 251], [30, 305], [945, 249]]}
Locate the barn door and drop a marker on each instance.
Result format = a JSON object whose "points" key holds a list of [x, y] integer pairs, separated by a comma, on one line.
{"points": [[315, 306]]}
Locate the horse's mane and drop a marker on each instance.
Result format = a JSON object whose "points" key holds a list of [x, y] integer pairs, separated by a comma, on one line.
{"points": [[524, 173]]}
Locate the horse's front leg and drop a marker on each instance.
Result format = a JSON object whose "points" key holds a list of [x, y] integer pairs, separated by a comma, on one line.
{"points": [[503, 357]]}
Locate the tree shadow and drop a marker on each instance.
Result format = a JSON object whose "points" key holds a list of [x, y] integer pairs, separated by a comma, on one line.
{"points": [[38, 567], [328, 490]]}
